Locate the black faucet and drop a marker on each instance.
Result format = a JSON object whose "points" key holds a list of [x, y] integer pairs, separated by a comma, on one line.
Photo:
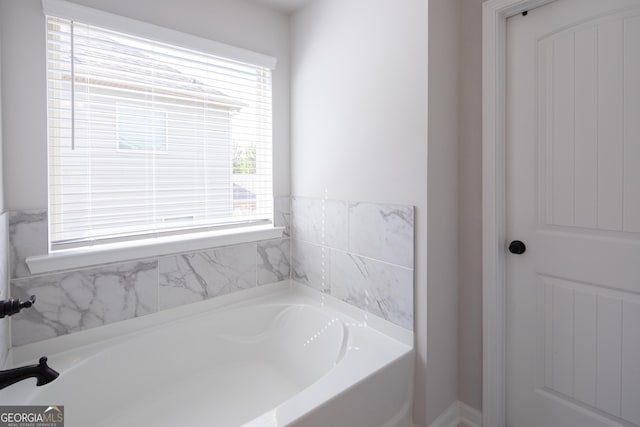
{"points": [[12, 306], [42, 372]]}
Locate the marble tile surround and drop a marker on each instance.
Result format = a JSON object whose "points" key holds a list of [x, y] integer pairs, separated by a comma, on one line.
{"points": [[311, 265], [198, 276], [71, 301], [319, 221], [361, 253], [282, 214], [82, 299], [382, 289], [382, 232], [274, 261], [28, 235], [379, 231]]}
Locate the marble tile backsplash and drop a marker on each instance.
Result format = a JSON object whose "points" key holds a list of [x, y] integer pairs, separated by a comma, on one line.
{"points": [[382, 232], [385, 290], [71, 301], [28, 235], [282, 214], [274, 261], [321, 222], [198, 276], [361, 253], [311, 265]]}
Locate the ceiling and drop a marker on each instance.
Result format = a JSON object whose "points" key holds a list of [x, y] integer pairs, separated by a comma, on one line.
{"points": [[284, 5]]}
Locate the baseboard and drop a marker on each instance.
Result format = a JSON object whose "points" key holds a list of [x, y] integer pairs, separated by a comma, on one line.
{"points": [[458, 414], [471, 417], [449, 418]]}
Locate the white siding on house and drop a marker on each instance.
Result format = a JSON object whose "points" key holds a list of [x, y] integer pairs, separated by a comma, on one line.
{"points": [[139, 187]]}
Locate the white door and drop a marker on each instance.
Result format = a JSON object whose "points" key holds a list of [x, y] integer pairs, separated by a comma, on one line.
{"points": [[573, 198]]}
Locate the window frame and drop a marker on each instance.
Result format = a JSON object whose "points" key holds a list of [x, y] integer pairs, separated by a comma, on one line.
{"points": [[173, 240]]}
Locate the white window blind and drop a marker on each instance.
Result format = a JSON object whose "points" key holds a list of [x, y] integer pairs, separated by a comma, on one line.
{"points": [[147, 138]]}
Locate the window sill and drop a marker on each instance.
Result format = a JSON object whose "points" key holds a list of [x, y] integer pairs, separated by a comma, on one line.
{"points": [[126, 251]]}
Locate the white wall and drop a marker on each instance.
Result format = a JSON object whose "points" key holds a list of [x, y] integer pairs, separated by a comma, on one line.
{"points": [[470, 206], [443, 279], [240, 23], [23, 99], [1, 133], [359, 118]]}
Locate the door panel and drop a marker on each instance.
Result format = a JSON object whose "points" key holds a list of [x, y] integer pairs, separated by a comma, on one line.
{"points": [[591, 344], [587, 80], [573, 196]]}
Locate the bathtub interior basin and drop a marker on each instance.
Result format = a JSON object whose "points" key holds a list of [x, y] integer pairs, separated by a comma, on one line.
{"points": [[272, 357]]}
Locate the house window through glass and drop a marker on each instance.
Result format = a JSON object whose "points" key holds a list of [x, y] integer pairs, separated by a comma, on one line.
{"points": [[141, 129]]}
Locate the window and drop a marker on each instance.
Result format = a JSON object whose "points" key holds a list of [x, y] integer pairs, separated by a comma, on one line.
{"points": [[149, 138]]}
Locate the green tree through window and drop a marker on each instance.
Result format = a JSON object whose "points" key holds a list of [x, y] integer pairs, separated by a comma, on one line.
{"points": [[244, 160]]}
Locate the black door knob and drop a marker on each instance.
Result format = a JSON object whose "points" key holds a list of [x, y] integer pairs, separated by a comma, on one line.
{"points": [[517, 247]]}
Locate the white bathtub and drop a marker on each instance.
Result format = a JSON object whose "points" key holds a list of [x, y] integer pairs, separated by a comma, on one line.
{"points": [[274, 356]]}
